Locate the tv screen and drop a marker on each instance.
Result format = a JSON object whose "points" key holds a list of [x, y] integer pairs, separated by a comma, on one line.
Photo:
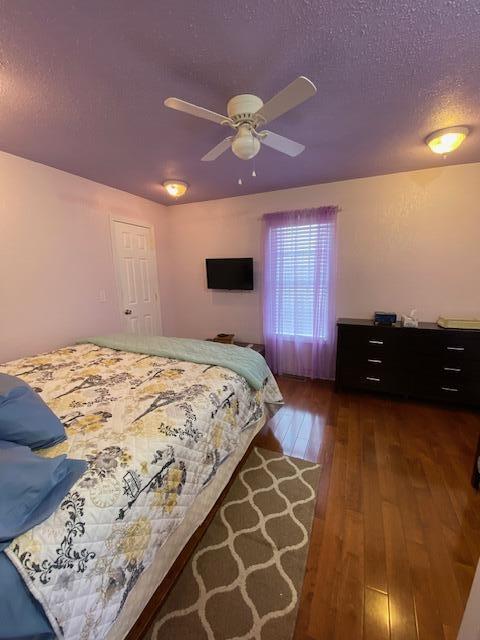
{"points": [[230, 273]]}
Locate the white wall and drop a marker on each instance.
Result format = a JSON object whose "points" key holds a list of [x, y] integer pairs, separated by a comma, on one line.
{"points": [[405, 240], [56, 256]]}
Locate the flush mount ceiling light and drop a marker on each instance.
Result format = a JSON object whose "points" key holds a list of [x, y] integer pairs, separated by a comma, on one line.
{"points": [[446, 140], [175, 188]]}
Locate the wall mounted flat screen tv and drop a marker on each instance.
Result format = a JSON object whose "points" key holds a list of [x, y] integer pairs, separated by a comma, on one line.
{"points": [[230, 273]]}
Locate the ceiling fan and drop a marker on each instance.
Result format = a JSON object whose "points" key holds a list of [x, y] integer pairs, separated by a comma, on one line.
{"points": [[247, 115]]}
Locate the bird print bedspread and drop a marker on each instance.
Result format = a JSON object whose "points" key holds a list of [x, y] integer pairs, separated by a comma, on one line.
{"points": [[154, 431]]}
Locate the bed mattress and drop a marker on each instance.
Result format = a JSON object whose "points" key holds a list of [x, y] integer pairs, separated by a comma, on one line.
{"points": [[155, 432], [166, 555]]}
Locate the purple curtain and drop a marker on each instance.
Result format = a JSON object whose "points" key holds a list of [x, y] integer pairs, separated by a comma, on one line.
{"points": [[299, 291]]}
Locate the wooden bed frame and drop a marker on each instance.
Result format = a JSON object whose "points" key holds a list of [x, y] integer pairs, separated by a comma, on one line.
{"points": [[151, 609]]}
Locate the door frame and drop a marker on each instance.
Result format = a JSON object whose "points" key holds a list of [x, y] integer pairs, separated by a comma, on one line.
{"points": [[153, 245]]}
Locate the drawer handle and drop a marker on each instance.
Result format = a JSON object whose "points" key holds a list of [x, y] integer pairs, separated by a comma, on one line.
{"points": [[455, 348], [456, 369], [372, 379], [374, 361], [376, 341], [449, 389]]}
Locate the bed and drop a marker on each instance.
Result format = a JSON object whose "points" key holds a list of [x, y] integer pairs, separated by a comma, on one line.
{"points": [[162, 437]]}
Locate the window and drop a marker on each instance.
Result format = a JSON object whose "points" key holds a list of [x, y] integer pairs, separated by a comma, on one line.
{"points": [[302, 274], [299, 291]]}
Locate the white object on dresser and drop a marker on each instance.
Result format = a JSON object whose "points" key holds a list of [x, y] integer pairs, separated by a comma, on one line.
{"points": [[411, 320]]}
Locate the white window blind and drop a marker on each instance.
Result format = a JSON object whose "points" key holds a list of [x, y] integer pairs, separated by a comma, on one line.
{"points": [[301, 262]]}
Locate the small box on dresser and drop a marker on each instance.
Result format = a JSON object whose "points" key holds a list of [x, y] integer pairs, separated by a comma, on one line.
{"points": [[425, 362]]}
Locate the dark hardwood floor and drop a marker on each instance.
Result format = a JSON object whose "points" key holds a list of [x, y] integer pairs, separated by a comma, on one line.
{"points": [[396, 534]]}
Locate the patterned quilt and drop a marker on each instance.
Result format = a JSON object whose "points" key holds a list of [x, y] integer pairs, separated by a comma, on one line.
{"points": [[154, 431]]}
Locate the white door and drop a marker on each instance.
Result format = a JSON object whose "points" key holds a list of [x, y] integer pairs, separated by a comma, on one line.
{"points": [[135, 266]]}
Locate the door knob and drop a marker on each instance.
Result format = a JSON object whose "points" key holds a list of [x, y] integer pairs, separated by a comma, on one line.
{"points": [[128, 312]]}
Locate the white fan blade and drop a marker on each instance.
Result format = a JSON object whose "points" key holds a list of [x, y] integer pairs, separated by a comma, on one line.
{"points": [[294, 94], [282, 144], [218, 150], [193, 110]]}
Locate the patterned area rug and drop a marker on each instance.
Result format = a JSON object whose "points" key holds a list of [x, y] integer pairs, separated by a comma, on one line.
{"points": [[245, 577]]}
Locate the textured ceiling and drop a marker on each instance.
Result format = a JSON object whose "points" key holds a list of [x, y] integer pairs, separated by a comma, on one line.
{"points": [[82, 85]]}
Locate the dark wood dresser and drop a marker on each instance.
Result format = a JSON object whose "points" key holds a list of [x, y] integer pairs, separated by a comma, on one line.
{"points": [[426, 362]]}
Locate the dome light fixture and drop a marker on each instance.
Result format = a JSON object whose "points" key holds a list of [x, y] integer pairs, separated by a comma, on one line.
{"points": [[245, 144], [175, 188], [446, 140]]}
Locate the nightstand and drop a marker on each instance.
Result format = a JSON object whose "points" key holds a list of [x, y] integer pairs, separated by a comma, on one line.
{"points": [[259, 348]]}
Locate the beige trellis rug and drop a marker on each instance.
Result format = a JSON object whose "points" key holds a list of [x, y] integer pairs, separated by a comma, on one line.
{"points": [[244, 580]]}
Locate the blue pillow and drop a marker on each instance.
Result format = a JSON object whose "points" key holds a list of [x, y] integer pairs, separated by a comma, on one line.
{"points": [[31, 488], [23, 617], [24, 416]]}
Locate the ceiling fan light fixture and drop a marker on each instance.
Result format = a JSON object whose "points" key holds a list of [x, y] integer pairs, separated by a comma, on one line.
{"points": [[245, 145], [175, 188], [446, 140]]}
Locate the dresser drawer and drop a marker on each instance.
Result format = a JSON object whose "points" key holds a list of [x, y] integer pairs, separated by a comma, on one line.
{"points": [[368, 341], [370, 377], [372, 360], [445, 388], [449, 365], [452, 344]]}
